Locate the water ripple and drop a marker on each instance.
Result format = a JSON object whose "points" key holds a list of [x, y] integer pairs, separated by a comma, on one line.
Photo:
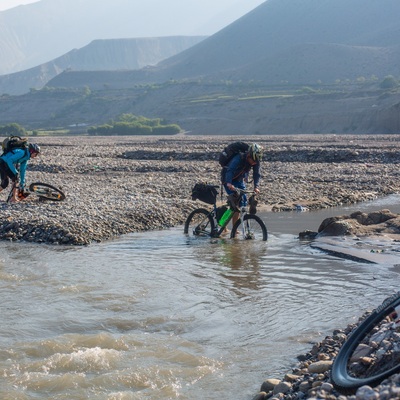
{"points": [[158, 313]]}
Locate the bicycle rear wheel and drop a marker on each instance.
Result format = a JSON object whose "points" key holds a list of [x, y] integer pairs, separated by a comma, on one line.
{"points": [[46, 191], [254, 228], [199, 223], [372, 351]]}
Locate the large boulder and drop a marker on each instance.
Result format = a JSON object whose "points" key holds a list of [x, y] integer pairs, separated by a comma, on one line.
{"points": [[361, 224]]}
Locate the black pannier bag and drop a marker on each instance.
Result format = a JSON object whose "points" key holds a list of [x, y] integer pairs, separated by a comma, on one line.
{"points": [[205, 193]]}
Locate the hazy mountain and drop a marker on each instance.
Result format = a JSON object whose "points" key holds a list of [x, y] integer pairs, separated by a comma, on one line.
{"points": [[299, 41], [107, 54], [40, 32], [294, 41]]}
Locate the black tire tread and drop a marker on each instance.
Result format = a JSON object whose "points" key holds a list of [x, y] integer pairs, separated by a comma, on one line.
{"points": [[340, 378], [46, 185], [199, 211]]}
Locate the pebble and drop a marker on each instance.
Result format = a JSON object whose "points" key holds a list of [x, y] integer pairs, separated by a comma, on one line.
{"points": [[319, 367]]}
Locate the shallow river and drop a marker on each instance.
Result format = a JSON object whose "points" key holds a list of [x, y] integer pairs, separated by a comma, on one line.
{"points": [[158, 315]]}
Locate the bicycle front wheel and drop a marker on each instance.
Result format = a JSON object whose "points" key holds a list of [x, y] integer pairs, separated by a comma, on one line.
{"points": [[46, 191], [199, 223], [253, 228], [372, 351]]}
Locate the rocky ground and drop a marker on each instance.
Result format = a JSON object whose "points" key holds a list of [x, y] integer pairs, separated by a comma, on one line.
{"points": [[118, 185], [310, 379]]}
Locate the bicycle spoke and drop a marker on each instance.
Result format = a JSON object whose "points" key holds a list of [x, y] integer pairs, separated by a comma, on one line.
{"points": [[199, 223], [252, 228]]}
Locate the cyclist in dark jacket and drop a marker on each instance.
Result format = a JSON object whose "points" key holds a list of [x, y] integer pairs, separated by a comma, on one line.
{"points": [[238, 170], [9, 162]]}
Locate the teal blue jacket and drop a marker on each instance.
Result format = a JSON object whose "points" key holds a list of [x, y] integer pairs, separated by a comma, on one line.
{"points": [[14, 157]]}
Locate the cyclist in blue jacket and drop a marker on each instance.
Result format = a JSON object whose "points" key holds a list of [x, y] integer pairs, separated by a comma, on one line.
{"points": [[8, 166], [238, 170]]}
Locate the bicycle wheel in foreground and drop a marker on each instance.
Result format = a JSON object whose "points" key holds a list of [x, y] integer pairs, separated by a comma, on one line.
{"points": [[46, 191], [254, 228], [372, 351], [199, 223]]}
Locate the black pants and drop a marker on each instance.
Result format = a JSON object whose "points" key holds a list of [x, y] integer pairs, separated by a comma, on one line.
{"points": [[5, 174]]}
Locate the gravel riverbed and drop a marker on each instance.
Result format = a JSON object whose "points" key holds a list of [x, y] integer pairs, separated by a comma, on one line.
{"points": [[118, 185]]}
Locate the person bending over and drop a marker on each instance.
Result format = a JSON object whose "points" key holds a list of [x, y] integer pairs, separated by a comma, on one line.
{"points": [[8, 168]]}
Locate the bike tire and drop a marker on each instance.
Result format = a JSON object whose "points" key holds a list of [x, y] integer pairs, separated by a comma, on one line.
{"points": [[255, 228], [46, 191], [363, 359], [199, 223]]}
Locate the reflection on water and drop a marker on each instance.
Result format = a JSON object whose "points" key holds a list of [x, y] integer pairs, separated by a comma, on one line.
{"points": [[162, 315], [243, 262]]}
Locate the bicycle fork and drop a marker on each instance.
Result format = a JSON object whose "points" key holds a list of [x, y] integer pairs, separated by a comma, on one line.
{"points": [[246, 228]]}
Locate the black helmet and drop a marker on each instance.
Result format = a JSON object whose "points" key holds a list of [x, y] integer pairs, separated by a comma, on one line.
{"points": [[34, 148], [255, 152]]}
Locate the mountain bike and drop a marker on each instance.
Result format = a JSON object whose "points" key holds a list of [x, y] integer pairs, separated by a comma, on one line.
{"points": [[43, 191], [208, 223], [372, 351]]}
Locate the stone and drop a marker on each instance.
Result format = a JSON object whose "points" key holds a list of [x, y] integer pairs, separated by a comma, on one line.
{"points": [[320, 367], [269, 384], [366, 393], [282, 387]]}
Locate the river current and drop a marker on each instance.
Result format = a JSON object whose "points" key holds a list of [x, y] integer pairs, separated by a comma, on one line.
{"points": [[158, 315]]}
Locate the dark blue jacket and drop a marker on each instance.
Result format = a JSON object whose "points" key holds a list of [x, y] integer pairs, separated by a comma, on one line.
{"points": [[238, 169]]}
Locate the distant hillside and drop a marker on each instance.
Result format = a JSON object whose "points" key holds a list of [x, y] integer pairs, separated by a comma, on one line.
{"points": [[286, 41], [299, 42], [279, 34], [311, 63], [108, 55], [34, 34]]}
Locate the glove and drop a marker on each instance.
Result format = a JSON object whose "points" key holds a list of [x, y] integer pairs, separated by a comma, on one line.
{"points": [[253, 204]]}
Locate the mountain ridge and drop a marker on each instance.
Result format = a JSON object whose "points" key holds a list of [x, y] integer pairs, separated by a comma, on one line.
{"points": [[36, 33], [100, 54], [279, 25]]}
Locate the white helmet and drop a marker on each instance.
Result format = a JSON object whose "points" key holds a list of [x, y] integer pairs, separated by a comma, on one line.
{"points": [[255, 152]]}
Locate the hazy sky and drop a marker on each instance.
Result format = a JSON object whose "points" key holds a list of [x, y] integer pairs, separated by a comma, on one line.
{"points": [[211, 14], [5, 4]]}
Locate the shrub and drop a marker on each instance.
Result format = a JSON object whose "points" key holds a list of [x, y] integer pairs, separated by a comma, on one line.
{"points": [[12, 129], [389, 82], [129, 124]]}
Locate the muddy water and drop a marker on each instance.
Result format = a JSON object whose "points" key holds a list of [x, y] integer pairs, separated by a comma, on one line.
{"points": [[158, 315]]}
